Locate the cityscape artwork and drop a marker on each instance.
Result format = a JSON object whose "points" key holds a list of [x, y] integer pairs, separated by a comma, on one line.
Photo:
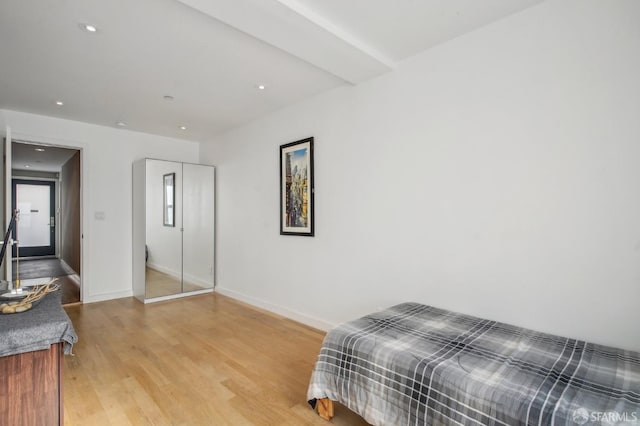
{"points": [[296, 188]]}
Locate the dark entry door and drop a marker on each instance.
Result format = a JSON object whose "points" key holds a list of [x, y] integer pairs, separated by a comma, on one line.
{"points": [[35, 230]]}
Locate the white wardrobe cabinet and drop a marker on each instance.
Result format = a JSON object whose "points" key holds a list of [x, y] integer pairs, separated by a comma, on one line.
{"points": [[173, 229]]}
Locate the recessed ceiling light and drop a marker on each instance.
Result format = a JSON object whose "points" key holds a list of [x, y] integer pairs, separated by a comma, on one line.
{"points": [[183, 127], [59, 103], [121, 124], [167, 97], [261, 86], [89, 28], [39, 149], [27, 166]]}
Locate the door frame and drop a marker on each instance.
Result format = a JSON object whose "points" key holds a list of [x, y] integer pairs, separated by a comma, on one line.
{"points": [[35, 251], [83, 148]]}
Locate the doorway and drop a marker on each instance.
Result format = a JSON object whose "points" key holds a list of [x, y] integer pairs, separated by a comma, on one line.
{"points": [[46, 192]]}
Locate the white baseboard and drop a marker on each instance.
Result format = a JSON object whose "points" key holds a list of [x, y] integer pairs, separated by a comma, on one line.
{"points": [[67, 265], [276, 309], [107, 296]]}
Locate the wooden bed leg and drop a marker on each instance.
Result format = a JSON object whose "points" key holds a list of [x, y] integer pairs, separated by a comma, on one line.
{"points": [[325, 408]]}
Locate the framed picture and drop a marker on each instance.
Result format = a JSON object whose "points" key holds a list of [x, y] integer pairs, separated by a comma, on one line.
{"points": [[169, 199], [296, 188]]}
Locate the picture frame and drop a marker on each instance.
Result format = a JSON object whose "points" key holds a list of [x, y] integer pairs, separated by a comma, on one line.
{"points": [[169, 199], [297, 188]]}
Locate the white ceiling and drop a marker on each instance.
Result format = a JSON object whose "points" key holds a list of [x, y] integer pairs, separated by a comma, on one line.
{"points": [[50, 160], [210, 55]]}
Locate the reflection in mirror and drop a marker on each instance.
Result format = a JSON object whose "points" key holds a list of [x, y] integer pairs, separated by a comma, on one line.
{"points": [[163, 272], [169, 199], [173, 250], [198, 224]]}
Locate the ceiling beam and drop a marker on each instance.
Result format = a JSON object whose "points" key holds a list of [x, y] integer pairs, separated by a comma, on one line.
{"points": [[295, 29]]}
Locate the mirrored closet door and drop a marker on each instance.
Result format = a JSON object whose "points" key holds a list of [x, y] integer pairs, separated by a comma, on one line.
{"points": [[173, 222]]}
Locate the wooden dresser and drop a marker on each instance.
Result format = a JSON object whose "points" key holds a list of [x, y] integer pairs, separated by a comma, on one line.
{"points": [[32, 345], [31, 388]]}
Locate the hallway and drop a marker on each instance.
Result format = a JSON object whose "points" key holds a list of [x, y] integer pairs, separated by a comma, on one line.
{"points": [[41, 271]]}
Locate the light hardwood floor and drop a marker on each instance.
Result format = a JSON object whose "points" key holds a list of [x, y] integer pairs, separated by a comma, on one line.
{"points": [[200, 360]]}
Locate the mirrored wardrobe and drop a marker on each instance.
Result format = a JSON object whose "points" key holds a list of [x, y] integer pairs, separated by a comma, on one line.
{"points": [[173, 229]]}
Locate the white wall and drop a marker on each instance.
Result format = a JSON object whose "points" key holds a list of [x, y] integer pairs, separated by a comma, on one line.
{"points": [[107, 157], [497, 174]]}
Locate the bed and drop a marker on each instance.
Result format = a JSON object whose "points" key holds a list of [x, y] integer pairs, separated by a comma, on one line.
{"points": [[418, 365]]}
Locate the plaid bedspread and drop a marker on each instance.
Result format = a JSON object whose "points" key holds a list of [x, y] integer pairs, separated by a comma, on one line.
{"points": [[418, 365]]}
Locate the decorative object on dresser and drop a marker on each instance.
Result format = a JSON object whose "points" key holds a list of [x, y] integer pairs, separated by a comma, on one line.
{"points": [[30, 298]]}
